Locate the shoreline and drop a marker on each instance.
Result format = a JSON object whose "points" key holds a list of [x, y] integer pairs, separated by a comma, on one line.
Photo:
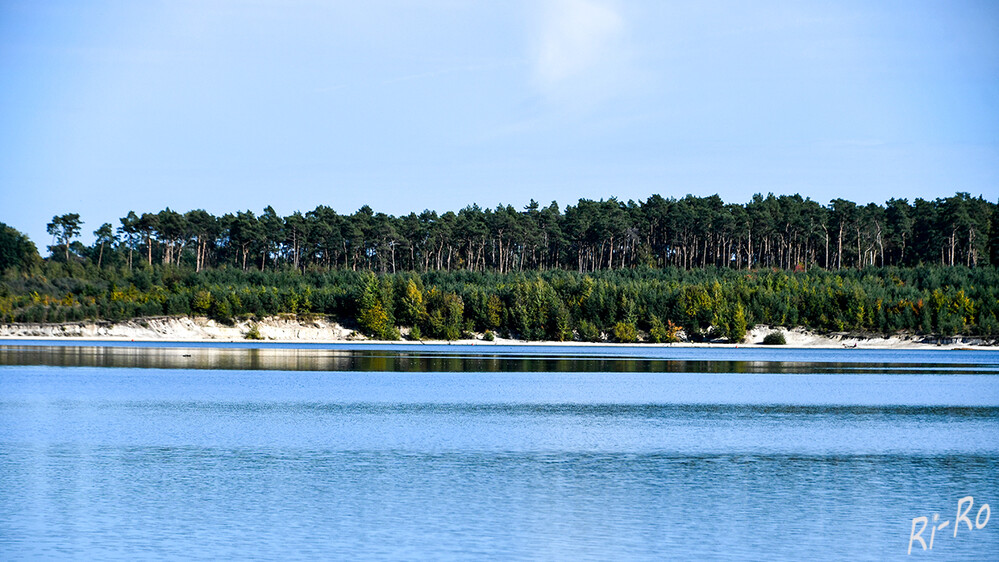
{"points": [[286, 330]]}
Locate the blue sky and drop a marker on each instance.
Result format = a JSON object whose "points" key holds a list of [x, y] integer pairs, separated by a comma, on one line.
{"points": [[111, 106]]}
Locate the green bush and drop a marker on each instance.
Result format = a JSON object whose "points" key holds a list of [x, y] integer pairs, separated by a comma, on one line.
{"points": [[560, 330], [374, 310], [375, 322], [412, 309], [488, 336], [221, 310], [588, 331], [657, 330], [494, 312], [663, 333], [201, 302], [735, 325], [444, 314], [774, 338], [625, 332], [253, 333]]}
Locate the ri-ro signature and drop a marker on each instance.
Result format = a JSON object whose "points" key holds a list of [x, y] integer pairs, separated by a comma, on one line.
{"points": [[964, 506]]}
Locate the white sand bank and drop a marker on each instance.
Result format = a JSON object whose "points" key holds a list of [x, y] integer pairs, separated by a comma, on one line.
{"points": [[319, 330]]}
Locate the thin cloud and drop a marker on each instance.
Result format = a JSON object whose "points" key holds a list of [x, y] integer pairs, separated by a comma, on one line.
{"points": [[578, 45]]}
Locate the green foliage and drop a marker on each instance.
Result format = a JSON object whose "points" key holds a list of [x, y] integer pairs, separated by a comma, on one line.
{"points": [[488, 336], [734, 323], [625, 332], [494, 312], [444, 314], [788, 233], [561, 327], [696, 308], [253, 333], [535, 305], [663, 333], [657, 330], [16, 250], [774, 338], [588, 331], [64, 229], [414, 333], [375, 322], [412, 310], [535, 311], [221, 310], [202, 301], [373, 309]]}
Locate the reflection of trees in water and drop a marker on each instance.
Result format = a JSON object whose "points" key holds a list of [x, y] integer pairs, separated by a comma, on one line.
{"points": [[318, 359]]}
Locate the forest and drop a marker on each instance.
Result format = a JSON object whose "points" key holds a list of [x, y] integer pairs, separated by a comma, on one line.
{"points": [[655, 270]]}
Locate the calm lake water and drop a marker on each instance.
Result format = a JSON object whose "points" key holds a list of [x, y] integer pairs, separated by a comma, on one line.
{"points": [[124, 451]]}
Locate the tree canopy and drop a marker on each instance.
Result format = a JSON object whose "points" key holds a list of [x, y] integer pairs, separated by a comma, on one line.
{"points": [[64, 228], [786, 231], [16, 250]]}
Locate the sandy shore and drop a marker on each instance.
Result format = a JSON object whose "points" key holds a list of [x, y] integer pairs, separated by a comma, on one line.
{"points": [[292, 330]]}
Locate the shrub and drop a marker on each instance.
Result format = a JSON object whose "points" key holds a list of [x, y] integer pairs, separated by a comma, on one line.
{"points": [[735, 326], [177, 305], [221, 311], [988, 326], [588, 331], [560, 330], [663, 333], [414, 333], [202, 301], [412, 309], [445, 311], [488, 336], [253, 333], [625, 332], [774, 338], [374, 310], [494, 311], [375, 321]]}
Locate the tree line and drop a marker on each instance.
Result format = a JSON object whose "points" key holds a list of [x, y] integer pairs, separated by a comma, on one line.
{"points": [[657, 305], [599, 270], [786, 232]]}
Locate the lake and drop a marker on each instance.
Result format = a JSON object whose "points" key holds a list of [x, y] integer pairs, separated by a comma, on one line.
{"points": [[265, 451]]}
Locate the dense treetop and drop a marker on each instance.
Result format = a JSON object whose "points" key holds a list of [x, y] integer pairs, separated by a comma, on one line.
{"points": [[16, 251], [785, 231]]}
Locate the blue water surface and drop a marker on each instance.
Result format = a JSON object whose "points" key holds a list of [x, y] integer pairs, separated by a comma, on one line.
{"points": [[688, 454]]}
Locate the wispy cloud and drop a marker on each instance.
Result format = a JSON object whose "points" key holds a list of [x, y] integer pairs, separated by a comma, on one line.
{"points": [[579, 47]]}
